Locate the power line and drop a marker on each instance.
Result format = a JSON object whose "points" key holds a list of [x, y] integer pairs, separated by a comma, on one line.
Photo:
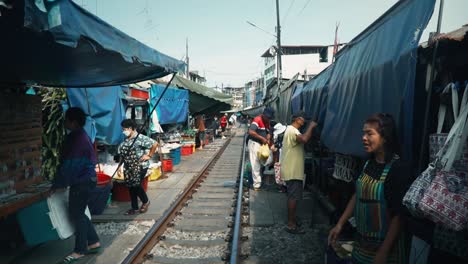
{"points": [[287, 12], [304, 7], [253, 25]]}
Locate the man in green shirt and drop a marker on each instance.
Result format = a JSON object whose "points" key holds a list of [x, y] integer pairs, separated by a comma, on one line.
{"points": [[292, 165]]}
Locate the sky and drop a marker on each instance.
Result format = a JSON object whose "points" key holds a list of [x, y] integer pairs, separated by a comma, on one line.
{"points": [[225, 49]]}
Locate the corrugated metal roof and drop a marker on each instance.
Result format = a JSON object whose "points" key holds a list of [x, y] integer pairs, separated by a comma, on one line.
{"points": [[457, 35]]}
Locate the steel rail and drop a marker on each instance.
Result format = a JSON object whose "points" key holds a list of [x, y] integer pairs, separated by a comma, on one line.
{"points": [[235, 252], [153, 236]]}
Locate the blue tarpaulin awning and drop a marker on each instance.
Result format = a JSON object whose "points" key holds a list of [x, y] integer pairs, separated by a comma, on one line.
{"points": [[296, 99], [373, 73], [315, 95], [58, 43], [105, 108], [173, 106]]}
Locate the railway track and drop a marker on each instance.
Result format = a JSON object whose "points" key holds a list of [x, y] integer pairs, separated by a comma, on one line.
{"points": [[200, 226]]}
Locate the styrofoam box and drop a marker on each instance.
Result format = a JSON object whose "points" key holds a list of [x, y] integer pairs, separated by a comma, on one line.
{"points": [[47, 220]]}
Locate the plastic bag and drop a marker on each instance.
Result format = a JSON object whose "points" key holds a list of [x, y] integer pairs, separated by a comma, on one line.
{"points": [[263, 152], [268, 161]]}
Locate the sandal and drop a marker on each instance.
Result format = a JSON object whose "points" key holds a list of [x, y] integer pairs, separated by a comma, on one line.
{"points": [[295, 231], [94, 250], [72, 259], [131, 212], [144, 207]]}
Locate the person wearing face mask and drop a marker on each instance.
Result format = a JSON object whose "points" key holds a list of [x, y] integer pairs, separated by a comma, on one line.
{"points": [[292, 165], [377, 203], [76, 171], [136, 154]]}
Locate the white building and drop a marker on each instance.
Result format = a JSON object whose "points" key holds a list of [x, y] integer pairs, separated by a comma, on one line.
{"points": [[254, 92], [237, 94], [308, 61]]}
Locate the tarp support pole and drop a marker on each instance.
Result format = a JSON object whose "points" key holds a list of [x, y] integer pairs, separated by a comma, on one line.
{"points": [[146, 120], [429, 91]]}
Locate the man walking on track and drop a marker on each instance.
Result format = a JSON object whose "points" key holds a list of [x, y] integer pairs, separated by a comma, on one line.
{"points": [[259, 134]]}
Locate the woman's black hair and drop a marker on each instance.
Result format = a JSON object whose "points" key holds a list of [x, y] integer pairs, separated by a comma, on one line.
{"points": [[129, 123], [76, 114], [387, 129]]}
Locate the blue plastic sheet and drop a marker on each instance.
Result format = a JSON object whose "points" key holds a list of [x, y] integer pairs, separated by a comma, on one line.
{"points": [[173, 107], [104, 105], [374, 73], [296, 99], [58, 43], [315, 95]]}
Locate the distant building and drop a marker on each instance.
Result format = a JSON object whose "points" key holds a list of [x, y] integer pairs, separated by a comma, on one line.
{"points": [[237, 94], [254, 92], [195, 77], [307, 60]]}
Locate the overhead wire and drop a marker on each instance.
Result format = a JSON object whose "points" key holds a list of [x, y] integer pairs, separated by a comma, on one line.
{"points": [[302, 10], [287, 11]]}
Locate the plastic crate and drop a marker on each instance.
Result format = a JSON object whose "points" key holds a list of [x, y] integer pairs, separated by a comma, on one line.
{"points": [[167, 165], [175, 156], [186, 150], [47, 220]]}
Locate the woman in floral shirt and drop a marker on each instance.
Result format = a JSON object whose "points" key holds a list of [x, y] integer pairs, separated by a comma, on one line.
{"points": [[136, 154]]}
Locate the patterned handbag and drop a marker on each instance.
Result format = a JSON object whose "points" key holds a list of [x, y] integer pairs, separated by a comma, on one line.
{"points": [[437, 140], [443, 161], [416, 191], [445, 202]]}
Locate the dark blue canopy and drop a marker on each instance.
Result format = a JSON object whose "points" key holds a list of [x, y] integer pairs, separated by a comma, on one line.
{"points": [[373, 73], [315, 95], [174, 105], [296, 98], [106, 111], [58, 43]]}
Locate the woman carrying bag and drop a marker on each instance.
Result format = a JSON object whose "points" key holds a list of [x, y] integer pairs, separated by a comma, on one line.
{"points": [[376, 205]]}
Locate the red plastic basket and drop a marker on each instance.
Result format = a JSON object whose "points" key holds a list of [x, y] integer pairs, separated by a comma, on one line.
{"points": [[186, 150], [103, 179], [167, 165], [120, 190]]}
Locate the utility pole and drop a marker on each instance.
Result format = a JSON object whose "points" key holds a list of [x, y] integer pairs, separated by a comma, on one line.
{"points": [[429, 86], [187, 59], [279, 50]]}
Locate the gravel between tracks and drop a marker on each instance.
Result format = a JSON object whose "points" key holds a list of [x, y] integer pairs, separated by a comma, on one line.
{"points": [[130, 228], [274, 245]]}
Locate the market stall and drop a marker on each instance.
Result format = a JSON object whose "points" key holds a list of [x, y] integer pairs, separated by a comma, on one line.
{"points": [[56, 44], [202, 99]]}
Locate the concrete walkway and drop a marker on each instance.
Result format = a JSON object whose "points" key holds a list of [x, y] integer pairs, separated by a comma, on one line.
{"points": [[268, 206]]}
